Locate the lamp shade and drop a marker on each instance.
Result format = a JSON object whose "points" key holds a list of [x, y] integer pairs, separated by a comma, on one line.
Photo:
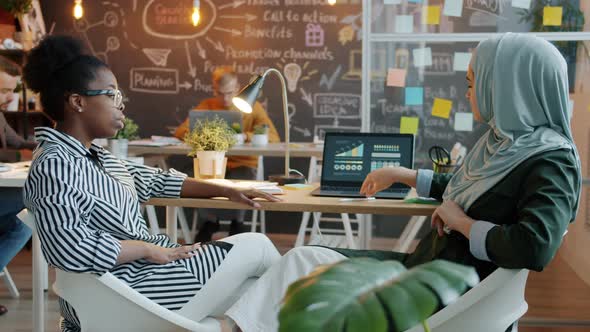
{"points": [[247, 96]]}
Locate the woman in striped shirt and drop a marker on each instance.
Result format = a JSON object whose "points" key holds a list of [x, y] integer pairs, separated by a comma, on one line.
{"points": [[87, 203]]}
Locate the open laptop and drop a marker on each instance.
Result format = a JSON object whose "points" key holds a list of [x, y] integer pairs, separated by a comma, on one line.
{"points": [[230, 117], [349, 157]]}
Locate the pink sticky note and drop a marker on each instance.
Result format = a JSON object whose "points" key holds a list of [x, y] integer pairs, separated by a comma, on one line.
{"points": [[396, 77]]}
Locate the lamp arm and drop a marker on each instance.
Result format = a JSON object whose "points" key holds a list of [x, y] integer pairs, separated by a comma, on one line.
{"points": [[286, 115]]}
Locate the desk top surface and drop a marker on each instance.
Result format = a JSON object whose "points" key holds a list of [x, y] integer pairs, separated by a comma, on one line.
{"points": [[302, 201], [16, 176], [270, 150]]}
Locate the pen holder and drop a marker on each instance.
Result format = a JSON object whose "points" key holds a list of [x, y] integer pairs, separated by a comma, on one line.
{"points": [[442, 168]]}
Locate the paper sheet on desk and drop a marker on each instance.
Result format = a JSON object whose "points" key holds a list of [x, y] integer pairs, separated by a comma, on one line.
{"points": [[267, 187]]}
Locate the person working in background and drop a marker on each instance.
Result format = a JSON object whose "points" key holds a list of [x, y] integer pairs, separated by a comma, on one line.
{"points": [[225, 87], [14, 234]]}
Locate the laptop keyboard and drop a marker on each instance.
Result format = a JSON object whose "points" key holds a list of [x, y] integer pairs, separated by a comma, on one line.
{"points": [[357, 189]]}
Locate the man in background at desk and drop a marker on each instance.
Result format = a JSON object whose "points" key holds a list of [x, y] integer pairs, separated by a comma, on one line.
{"points": [[14, 234], [225, 87]]}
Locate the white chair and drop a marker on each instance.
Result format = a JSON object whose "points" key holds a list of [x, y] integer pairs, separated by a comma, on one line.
{"points": [[491, 306], [10, 284], [106, 303]]}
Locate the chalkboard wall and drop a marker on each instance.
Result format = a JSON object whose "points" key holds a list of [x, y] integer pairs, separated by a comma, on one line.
{"points": [[164, 64]]}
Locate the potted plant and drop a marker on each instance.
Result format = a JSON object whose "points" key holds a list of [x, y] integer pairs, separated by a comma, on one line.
{"points": [[238, 134], [18, 8], [364, 294], [119, 143], [209, 140], [260, 136]]}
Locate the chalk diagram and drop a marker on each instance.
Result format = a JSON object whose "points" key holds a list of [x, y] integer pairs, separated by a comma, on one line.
{"points": [[163, 38]]}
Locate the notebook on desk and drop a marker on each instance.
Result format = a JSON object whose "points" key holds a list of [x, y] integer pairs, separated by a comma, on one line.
{"points": [[349, 157]]}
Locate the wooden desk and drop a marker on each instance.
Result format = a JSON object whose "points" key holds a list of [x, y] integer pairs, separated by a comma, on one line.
{"points": [[295, 201], [270, 150]]}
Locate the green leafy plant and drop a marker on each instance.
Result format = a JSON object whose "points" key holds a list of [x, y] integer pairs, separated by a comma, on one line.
{"points": [[363, 294], [210, 135], [237, 128], [17, 7], [261, 129], [129, 130]]}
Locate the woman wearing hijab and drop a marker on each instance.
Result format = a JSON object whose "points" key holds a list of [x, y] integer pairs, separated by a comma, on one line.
{"points": [[507, 206]]}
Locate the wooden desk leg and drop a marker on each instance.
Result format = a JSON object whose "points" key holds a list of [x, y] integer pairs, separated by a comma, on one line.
{"points": [[38, 293], [171, 223]]}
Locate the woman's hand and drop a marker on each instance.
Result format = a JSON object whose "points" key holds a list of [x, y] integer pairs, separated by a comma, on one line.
{"points": [[383, 178], [246, 197], [451, 215], [163, 255]]}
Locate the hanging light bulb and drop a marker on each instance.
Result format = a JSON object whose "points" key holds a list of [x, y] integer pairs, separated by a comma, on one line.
{"points": [[196, 16], [332, 2], [78, 10]]}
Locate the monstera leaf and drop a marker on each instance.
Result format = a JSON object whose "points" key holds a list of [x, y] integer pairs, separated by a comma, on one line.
{"points": [[364, 294]]}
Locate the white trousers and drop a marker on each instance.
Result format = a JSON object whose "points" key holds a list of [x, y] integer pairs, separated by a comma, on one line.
{"points": [[251, 255], [258, 308]]}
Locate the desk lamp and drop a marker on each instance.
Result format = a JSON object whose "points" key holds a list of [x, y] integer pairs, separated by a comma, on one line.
{"points": [[244, 102]]}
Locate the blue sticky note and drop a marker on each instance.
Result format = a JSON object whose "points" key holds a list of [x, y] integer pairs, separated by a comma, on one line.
{"points": [[414, 96], [415, 1]]}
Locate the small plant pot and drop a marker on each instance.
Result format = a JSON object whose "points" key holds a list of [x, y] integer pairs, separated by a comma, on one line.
{"points": [[210, 165], [239, 139], [118, 147], [260, 140]]}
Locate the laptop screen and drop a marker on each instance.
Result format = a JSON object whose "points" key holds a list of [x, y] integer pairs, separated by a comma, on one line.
{"points": [[349, 157]]}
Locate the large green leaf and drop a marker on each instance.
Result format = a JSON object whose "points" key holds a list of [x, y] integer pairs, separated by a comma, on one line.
{"points": [[363, 294]]}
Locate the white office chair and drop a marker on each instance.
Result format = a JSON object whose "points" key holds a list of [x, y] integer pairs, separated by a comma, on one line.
{"points": [[10, 284], [491, 306], [106, 303]]}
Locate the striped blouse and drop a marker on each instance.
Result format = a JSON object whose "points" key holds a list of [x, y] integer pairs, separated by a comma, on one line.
{"points": [[85, 201]]}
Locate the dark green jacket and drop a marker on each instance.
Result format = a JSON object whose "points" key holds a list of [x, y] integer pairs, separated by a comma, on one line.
{"points": [[532, 207]]}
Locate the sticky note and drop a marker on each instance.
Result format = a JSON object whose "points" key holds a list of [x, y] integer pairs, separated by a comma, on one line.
{"points": [[409, 125], [524, 4], [431, 15], [552, 16], [422, 57], [442, 108], [415, 1], [464, 121], [461, 61], [392, 2], [453, 8], [404, 24], [396, 77], [414, 96]]}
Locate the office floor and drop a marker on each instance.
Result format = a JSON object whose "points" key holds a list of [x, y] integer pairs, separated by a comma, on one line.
{"points": [[557, 298]]}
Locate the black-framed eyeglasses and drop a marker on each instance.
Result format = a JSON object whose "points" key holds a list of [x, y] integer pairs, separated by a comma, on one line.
{"points": [[115, 93]]}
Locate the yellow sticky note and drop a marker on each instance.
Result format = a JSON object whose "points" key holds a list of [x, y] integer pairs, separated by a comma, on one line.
{"points": [[552, 16], [431, 15], [442, 108], [409, 125]]}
